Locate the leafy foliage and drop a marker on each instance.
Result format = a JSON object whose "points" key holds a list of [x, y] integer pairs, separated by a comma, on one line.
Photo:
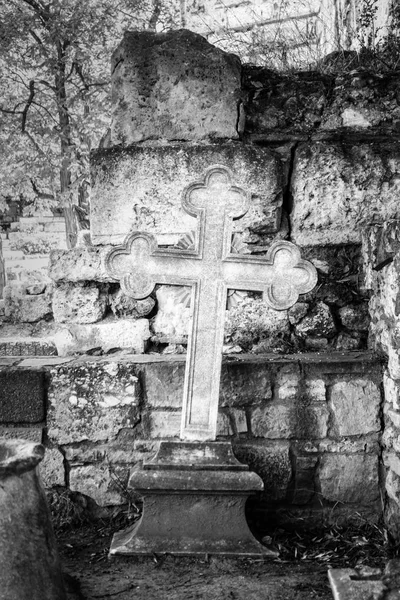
{"points": [[54, 73]]}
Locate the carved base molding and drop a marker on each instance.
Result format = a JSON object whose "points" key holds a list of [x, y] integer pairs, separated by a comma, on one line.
{"points": [[194, 499]]}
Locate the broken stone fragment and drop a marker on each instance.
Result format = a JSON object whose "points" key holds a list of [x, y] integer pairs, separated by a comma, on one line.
{"points": [[173, 86], [318, 323], [36, 289], [124, 306]]}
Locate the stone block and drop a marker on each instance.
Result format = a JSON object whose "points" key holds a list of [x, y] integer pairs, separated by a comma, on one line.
{"points": [[349, 478], [51, 469], [272, 464], [244, 384], [126, 196], [162, 424], [92, 401], [20, 307], [78, 264], [103, 483], [173, 86], [337, 188], [22, 396], [281, 421], [355, 407], [79, 303], [106, 335]]}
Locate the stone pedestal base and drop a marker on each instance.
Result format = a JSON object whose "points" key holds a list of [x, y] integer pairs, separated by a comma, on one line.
{"points": [[194, 498]]}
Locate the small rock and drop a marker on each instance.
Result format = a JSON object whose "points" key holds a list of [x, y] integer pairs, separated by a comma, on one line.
{"points": [[297, 312], [36, 289], [124, 306], [318, 323], [355, 316]]}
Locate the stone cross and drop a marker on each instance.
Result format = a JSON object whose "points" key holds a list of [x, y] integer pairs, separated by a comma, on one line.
{"points": [[210, 269]]}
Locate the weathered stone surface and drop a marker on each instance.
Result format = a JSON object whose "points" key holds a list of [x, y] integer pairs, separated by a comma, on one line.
{"points": [[253, 322], [125, 196], [36, 289], [22, 396], [101, 482], [345, 478], [337, 188], [173, 86], [106, 335], [124, 306], [92, 401], [51, 469], [355, 407], [380, 242], [272, 464], [79, 303], [23, 308], [318, 323]]}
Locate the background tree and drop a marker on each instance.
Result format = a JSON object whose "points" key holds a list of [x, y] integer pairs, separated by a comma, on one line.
{"points": [[55, 92]]}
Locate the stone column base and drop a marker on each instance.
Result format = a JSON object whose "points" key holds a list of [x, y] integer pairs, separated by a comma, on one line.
{"points": [[194, 499]]}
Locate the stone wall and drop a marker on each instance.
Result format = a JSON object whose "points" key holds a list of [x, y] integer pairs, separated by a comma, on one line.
{"points": [[318, 155], [309, 426]]}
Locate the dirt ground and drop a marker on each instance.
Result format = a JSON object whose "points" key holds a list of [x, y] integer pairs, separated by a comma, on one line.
{"points": [[90, 574]]}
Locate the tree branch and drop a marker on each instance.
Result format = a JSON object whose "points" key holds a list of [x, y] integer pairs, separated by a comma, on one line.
{"points": [[27, 105], [39, 193]]}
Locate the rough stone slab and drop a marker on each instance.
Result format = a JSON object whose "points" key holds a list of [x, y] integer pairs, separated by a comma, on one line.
{"points": [[78, 264], [337, 189], [380, 242], [78, 303], [355, 407], [106, 335], [92, 401], [101, 482], [127, 196], [173, 86], [349, 478], [22, 396]]}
